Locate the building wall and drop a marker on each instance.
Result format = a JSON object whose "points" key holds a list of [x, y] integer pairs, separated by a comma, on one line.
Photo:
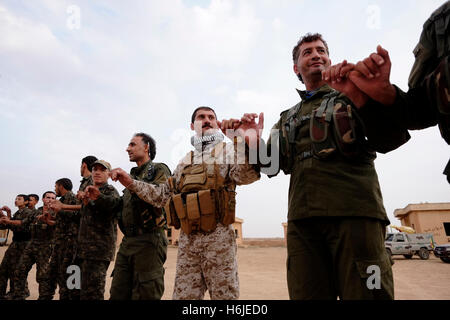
{"points": [[426, 218]]}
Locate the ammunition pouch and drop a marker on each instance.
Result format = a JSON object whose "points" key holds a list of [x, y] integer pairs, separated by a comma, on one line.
{"points": [[201, 211], [333, 128], [320, 126]]}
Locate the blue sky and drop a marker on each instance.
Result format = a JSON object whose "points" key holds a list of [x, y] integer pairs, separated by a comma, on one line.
{"points": [[145, 65]]}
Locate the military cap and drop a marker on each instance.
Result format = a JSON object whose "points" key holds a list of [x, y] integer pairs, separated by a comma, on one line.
{"points": [[103, 163]]}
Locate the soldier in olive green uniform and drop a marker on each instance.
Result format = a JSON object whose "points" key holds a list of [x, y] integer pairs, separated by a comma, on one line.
{"points": [[37, 251], [65, 241], [138, 271], [336, 217], [20, 240], [98, 233]]}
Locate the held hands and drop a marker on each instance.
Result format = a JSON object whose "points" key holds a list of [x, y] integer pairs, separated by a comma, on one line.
{"points": [[337, 77], [246, 128], [7, 210], [367, 78], [91, 193], [55, 205], [122, 176]]}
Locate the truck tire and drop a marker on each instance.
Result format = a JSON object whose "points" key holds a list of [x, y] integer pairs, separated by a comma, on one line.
{"points": [[408, 256], [446, 260], [424, 254]]}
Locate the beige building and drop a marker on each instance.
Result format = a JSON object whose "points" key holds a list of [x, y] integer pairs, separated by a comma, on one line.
{"points": [[173, 234], [427, 218]]}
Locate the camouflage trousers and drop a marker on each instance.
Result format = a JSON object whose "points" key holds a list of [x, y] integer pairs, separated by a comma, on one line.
{"points": [[9, 265], [63, 255], [330, 257], [38, 252], [93, 278], [207, 262]]}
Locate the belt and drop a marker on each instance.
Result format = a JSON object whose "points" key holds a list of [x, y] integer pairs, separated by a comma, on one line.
{"points": [[133, 231], [305, 155]]}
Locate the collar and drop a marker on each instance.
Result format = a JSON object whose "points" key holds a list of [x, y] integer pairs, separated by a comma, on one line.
{"points": [[316, 93], [136, 171]]}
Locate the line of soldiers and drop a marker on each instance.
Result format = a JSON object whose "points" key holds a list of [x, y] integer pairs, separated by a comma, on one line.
{"points": [[327, 143]]}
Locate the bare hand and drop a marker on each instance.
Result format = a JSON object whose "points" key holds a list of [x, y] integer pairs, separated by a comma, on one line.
{"points": [[122, 176], [56, 205], [92, 193], [228, 127], [4, 220], [246, 128], [7, 210], [371, 76], [336, 76]]}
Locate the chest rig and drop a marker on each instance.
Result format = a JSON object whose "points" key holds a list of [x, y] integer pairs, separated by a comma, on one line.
{"points": [[202, 197], [332, 128]]}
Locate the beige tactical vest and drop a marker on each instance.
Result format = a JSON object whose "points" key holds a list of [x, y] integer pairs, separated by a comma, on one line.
{"points": [[202, 197]]}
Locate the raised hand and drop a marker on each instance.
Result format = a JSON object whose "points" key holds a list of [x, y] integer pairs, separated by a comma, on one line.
{"points": [[122, 176], [371, 76], [55, 205], [92, 193], [336, 76], [7, 210], [246, 128]]}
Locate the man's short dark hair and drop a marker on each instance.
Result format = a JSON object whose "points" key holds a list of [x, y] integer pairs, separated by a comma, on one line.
{"points": [[34, 196], [45, 193], [309, 37], [24, 196], [65, 183], [89, 160], [147, 139], [201, 108]]}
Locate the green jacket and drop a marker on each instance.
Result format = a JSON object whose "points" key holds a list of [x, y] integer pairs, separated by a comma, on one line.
{"points": [[135, 215], [337, 185]]}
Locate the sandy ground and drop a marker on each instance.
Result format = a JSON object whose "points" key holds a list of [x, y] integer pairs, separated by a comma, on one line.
{"points": [[262, 275]]}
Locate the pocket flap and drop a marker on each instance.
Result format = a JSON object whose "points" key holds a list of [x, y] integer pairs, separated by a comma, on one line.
{"points": [[366, 267]]}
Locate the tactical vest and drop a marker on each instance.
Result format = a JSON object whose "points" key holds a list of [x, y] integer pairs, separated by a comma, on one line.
{"points": [[333, 127], [201, 198], [141, 217]]}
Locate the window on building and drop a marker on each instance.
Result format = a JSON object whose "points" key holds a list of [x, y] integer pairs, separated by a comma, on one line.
{"points": [[236, 233], [447, 228]]}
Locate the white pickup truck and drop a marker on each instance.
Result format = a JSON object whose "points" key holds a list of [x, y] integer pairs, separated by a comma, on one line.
{"points": [[409, 244]]}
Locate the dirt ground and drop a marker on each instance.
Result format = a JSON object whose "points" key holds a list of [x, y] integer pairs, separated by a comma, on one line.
{"points": [[262, 275]]}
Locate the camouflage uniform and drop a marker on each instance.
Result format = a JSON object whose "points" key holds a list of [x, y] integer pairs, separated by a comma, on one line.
{"points": [[336, 217], [12, 255], [96, 244], [85, 182], [206, 261], [64, 250], [138, 271], [38, 251]]}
